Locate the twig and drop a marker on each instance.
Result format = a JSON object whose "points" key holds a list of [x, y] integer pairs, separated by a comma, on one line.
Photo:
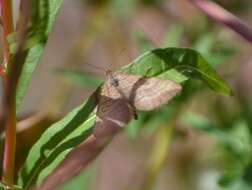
{"points": [[223, 16]]}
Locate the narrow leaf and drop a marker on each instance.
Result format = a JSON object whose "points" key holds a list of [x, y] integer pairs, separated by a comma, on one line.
{"points": [[187, 62], [43, 15], [56, 142]]}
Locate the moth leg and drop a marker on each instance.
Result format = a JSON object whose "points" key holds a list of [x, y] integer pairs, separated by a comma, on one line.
{"points": [[134, 110]]}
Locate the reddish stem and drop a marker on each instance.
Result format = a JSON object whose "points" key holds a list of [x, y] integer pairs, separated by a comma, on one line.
{"points": [[9, 99], [221, 15], [7, 22], [10, 142]]}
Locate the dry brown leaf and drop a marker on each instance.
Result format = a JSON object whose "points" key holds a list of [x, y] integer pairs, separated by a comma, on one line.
{"points": [[120, 97]]}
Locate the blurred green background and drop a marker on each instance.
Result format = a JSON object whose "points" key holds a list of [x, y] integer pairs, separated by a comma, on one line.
{"points": [[200, 141]]}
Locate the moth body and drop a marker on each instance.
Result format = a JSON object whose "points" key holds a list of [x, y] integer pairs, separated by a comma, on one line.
{"points": [[113, 80], [123, 94]]}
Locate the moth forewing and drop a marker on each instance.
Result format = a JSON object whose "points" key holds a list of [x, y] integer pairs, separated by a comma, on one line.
{"points": [[146, 93], [154, 93]]}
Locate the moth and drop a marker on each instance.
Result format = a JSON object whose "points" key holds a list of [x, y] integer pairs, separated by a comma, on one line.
{"points": [[122, 94]]}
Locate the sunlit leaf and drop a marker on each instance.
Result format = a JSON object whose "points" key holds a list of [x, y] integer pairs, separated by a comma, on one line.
{"points": [[187, 62]]}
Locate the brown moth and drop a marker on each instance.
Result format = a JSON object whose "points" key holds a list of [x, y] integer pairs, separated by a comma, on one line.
{"points": [[123, 94]]}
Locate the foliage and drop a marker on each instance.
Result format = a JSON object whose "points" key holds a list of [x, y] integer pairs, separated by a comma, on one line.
{"points": [[40, 25], [54, 144], [226, 121]]}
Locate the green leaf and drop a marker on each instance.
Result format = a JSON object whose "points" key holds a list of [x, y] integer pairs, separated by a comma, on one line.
{"points": [[236, 137], [64, 135], [43, 15], [56, 142], [187, 62], [79, 78]]}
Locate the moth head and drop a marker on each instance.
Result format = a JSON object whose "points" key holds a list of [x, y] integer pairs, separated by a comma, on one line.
{"points": [[113, 80]]}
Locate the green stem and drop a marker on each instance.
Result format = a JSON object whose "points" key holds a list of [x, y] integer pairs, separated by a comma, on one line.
{"points": [[9, 98]]}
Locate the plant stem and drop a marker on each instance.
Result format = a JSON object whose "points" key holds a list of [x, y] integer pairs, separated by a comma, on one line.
{"points": [[9, 99], [7, 22], [10, 142], [221, 15]]}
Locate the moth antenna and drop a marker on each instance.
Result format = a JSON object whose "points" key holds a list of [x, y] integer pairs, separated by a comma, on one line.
{"points": [[122, 51], [96, 67], [117, 55]]}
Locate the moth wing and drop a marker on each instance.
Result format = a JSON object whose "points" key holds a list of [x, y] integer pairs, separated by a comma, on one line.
{"points": [[113, 112], [154, 93], [147, 93]]}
